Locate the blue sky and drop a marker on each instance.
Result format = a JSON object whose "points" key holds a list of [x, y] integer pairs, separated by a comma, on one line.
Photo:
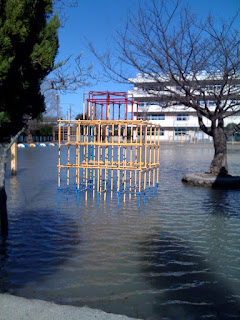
{"points": [[96, 20]]}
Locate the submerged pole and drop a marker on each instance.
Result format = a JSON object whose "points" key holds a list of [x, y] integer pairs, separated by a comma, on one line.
{"points": [[14, 159]]}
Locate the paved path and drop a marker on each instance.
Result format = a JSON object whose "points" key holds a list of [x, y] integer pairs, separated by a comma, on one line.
{"points": [[16, 308]]}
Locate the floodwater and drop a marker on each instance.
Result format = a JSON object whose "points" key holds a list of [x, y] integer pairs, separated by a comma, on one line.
{"points": [[176, 257]]}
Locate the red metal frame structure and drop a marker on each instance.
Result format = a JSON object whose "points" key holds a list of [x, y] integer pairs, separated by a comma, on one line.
{"points": [[106, 105]]}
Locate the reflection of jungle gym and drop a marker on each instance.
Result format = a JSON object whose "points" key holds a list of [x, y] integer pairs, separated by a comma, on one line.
{"points": [[107, 152]]}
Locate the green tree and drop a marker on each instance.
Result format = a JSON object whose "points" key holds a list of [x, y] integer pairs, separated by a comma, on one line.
{"points": [[28, 46], [79, 116]]}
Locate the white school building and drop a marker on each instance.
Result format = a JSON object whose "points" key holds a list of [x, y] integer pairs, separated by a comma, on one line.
{"points": [[178, 123]]}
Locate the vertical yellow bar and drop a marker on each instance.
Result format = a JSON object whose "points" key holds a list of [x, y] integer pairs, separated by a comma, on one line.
{"points": [[150, 149], [154, 176], [158, 154], [136, 164], [125, 162], [79, 152], [112, 155], [145, 148], [68, 159], [77, 161], [84, 138], [131, 162], [153, 161], [154, 148], [98, 162], [140, 159], [94, 158], [59, 153], [140, 149], [86, 129], [87, 144], [101, 158], [86, 184], [118, 165], [145, 158], [106, 159], [14, 159]]}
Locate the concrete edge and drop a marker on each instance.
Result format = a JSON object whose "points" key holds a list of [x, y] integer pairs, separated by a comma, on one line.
{"points": [[207, 180], [18, 308]]}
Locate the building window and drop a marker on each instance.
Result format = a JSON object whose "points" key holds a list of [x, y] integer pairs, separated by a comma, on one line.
{"points": [[211, 102], [149, 131], [141, 89], [180, 131], [160, 116], [182, 117], [210, 87]]}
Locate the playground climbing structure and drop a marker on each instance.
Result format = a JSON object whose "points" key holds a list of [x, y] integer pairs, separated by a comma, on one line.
{"points": [[108, 150]]}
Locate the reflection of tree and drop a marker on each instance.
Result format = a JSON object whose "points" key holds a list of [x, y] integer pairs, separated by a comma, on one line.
{"points": [[38, 243], [188, 287], [4, 283], [217, 202]]}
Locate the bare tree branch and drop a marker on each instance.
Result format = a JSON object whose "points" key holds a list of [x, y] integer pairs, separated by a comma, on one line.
{"points": [[69, 76], [196, 62]]}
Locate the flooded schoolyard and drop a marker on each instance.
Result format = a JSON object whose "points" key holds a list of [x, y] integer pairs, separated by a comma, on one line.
{"points": [[175, 257]]}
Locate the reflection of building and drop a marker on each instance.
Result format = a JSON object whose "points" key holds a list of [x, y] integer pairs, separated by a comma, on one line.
{"points": [[177, 122]]}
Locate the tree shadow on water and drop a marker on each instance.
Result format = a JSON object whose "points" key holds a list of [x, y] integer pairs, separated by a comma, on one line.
{"points": [[37, 245], [188, 286], [222, 202]]}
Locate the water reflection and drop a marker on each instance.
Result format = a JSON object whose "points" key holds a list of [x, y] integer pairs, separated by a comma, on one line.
{"points": [[4, 283], [188, 286], [36, 248], [221, 202], [14, 186], [176, 257]]}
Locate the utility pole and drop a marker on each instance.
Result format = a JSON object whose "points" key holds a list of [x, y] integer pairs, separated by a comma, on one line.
{"points": [[57, 96], [70, 112]]}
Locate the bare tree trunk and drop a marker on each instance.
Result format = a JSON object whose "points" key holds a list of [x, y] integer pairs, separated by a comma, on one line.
{"points": [[29, 134], [219, 162], [3, 195]]}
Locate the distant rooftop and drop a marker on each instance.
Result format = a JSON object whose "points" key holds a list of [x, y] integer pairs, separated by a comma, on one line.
{"points": [[201, 75]]}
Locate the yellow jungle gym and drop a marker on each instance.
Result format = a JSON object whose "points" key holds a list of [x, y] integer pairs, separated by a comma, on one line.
{"points": [[106, 153]]}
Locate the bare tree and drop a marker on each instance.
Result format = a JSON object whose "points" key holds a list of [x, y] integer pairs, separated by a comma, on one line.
{"points": [[68, 76], [193, 60]]}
